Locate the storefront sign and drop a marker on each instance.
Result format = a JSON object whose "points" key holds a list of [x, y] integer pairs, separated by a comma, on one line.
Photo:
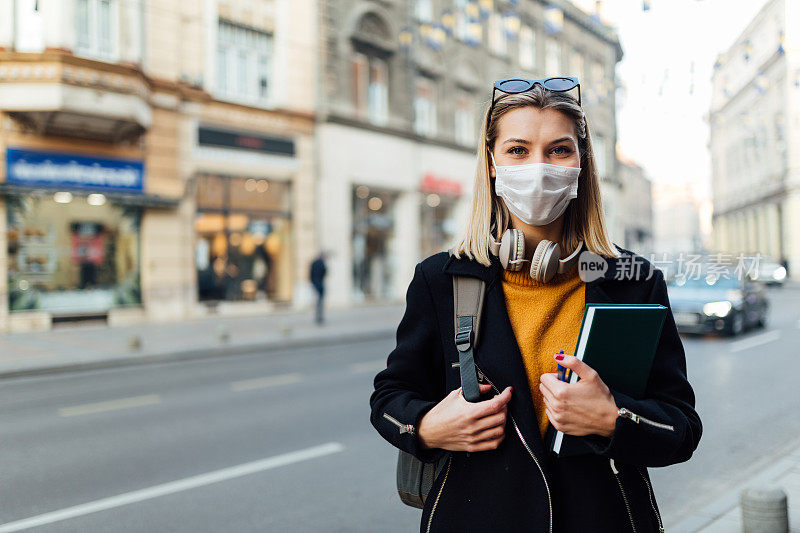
{"points": [[245, 141], [445, 186], [59, 170]]}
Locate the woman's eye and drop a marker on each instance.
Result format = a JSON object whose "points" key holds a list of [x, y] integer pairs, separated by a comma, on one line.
{"points": [[515, 152], [562, 150]]}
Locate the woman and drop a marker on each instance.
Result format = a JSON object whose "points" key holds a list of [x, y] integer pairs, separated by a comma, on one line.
{"points": [[500, 475]]}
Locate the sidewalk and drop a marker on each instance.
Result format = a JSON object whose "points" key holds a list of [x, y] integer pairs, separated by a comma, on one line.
{"points": [[98, 346], [724, 515]]}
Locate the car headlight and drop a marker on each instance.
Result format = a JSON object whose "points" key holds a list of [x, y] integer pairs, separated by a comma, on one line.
{"points": [[720, 309], [779, 274]]}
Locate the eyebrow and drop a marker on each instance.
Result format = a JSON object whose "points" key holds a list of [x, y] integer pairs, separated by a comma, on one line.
{"points": [[526, 141]]}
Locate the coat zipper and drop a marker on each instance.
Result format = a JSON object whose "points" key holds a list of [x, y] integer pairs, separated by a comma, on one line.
{"points": [[404, 428], [438, 495], [622, 491], [652, 500], [625, 413], [482, 376]]}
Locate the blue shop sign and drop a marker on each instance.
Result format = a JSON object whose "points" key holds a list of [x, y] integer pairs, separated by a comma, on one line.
{"points": [[34, 168]]}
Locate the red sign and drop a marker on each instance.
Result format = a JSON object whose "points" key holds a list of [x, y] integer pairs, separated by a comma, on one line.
{"points": [[445, 186]]}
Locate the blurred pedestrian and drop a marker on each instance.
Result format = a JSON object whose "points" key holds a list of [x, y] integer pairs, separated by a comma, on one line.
{"points": [[317, 276]]}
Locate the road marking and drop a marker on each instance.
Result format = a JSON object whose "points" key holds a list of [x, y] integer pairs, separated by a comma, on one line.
{"points": [[269, 381], [110, 405], [368, 366], [173, 487], [758, 340]]}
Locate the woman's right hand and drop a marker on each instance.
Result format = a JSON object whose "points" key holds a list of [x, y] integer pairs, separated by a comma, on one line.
{"points": [[458, 425]]}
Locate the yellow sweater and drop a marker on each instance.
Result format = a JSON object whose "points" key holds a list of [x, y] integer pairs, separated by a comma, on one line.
{"points": [[546, 318]]}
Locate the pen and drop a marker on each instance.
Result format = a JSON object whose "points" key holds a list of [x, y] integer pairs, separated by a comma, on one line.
{"points": [[562, 371]]}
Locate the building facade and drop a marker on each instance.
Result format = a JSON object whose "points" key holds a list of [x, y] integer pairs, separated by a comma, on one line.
{"points": [[636, 215], [154, 156], [755, 138], [402, 87]]}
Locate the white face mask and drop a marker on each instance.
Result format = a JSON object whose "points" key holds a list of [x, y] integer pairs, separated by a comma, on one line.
{"points": [[537, 193]]}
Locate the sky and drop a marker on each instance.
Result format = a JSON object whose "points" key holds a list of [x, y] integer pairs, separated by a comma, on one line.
{"points": [[661, 123]]}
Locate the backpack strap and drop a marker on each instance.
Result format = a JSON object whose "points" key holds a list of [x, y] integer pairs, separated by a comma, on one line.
{"points": [[467, 306]]}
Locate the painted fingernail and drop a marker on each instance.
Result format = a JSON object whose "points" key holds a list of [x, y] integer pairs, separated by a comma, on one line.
{"points": [[559, 357]]}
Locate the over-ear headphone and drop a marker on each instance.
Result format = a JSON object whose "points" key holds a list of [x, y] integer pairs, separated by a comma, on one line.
{"points": [[546, 261]]}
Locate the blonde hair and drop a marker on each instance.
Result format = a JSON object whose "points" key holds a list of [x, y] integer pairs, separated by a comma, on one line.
{"points": [[583, 219]]}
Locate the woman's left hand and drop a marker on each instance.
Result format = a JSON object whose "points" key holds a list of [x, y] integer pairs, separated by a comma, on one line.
{"points": [[582, 408]]}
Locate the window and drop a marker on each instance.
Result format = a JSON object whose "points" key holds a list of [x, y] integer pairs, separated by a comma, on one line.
{"points": [[527, 48], [370, 94], [378, 93], [462, 19], [576, 65], [244, 63], [599, 149], [468, 25], [97, 29], [358, 74], [423, 9], [464, 120], [552, 59], [72, 253], [497, 34], [425, 107], [598, 79]]}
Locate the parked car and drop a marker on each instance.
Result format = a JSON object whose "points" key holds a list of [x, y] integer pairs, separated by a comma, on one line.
{"points": [[769, 272], [713, 304]]}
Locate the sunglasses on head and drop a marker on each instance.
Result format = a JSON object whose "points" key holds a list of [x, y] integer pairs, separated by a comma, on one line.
{"points": [[519, 85]]}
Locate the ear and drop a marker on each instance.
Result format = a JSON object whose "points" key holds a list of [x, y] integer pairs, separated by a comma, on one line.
{"points": [[492, 174]]}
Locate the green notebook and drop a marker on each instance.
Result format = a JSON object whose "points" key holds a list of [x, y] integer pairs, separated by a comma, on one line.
{"points": [[619, 341]]}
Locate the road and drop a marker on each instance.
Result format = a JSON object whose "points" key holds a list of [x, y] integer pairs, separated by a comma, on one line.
{"points": [[282, 441]]}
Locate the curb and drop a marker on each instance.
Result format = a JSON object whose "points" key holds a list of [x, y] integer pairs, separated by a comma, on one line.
{"points": [[203, 353], [730, 500]]}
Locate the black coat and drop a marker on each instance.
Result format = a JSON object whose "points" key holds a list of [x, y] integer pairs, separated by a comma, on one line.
{"points": [[317, 273], [504, 489]]}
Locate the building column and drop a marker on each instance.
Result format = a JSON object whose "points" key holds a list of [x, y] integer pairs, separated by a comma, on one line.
{"points": [[335, 234], [406, 250], [168, 273], [791, 223]]}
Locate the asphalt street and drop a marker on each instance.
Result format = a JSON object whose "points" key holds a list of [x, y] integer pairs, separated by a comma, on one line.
{"points": [[282, 441]]}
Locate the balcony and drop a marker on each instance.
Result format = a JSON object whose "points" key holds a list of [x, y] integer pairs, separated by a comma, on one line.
{"points": [[56, 93]]}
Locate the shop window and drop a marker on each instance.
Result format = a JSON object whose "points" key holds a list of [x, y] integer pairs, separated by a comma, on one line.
{"points": [[97, 28], [425, 107], [373, 242], [244, 57], [243, 237], [438, 224], [72, 254]]}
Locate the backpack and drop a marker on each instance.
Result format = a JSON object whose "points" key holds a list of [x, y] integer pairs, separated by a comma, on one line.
{"points": [[414, 477]]}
